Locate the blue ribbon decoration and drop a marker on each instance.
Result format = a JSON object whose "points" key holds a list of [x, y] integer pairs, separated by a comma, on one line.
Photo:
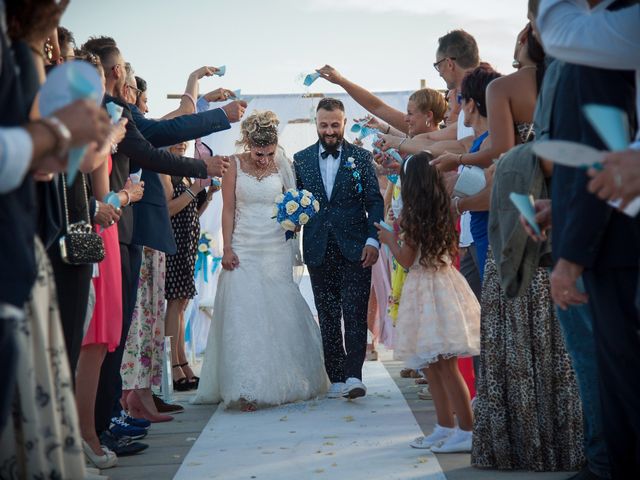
{"points": [[201, 264]]}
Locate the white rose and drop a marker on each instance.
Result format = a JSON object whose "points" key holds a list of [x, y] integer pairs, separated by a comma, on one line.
{"points": [[280, 198], [305, 202], [293, 192], [274, 212], [292, 207], [288, 225], [208, 236], [306, 193], [203, 247], [316, 205], [304, 218]]}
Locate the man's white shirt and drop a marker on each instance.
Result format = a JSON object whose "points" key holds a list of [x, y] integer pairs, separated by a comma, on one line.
{"points": [[328, 171]]}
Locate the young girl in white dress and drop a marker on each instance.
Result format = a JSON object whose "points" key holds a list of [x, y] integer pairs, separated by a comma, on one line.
{"points": [[439, 316]]}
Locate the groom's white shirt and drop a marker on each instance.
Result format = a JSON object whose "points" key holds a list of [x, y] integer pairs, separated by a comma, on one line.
{"points": [[328, 170]]}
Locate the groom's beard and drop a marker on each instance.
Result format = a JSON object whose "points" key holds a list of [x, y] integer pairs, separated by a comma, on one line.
{"points": [[331, 142]]}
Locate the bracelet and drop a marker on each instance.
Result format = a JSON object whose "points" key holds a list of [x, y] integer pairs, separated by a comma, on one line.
{"points": [[190, 97], [388, 130], [95, 213], [460, 159], [128, 197], [456, 203], [191, 194]]}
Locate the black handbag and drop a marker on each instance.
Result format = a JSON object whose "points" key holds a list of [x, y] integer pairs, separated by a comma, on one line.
{"points": [[81, 245]]}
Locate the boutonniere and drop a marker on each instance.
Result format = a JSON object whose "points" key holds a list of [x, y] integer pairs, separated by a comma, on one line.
{"points": [[351, 165]]}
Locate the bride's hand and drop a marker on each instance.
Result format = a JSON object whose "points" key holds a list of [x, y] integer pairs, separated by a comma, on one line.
{"points": [[230, 260]]}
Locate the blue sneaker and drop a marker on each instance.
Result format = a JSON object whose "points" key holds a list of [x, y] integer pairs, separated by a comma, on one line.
{"points": [[121, 428], [136, 422]]}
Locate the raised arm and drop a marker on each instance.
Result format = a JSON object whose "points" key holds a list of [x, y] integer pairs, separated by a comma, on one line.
{"points": [[188, 99], [368, 100], [144, 155]]}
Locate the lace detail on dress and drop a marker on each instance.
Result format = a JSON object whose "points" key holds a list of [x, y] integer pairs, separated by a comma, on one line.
{"points": [[525, 132]]}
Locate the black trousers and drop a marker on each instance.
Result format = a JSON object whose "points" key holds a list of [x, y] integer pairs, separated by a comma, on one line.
{"points": [[8, 360], [110, 385], [341, 291], [616, 327], [72, 287]]}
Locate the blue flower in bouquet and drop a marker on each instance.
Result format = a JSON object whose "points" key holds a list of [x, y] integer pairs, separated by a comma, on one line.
{"points": [[351, 165], [294, 208]]}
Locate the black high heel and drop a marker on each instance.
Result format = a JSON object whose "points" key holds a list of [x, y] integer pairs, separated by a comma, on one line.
{"points": [[183, 385], [193, 380]]}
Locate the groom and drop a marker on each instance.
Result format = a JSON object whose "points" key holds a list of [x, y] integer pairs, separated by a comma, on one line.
{"points": [[340, 243]]}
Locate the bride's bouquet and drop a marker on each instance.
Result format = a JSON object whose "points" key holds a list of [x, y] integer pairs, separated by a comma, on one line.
{"points": [[294, 208]]}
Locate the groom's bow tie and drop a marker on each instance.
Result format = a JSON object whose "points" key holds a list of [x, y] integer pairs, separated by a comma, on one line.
{"points": [[326, 153]]}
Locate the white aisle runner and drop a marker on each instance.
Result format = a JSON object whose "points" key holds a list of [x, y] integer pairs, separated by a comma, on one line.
{"points": [[327, 438]]}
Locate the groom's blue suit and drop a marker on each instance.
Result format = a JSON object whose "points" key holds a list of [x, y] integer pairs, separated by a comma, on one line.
{"points": [[333, 243]]}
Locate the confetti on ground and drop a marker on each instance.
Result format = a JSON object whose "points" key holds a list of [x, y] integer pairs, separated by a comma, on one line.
{"points": [[322, 443]]}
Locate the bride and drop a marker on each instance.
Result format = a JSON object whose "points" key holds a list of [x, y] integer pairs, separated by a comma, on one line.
{"points": [[264, 346]]}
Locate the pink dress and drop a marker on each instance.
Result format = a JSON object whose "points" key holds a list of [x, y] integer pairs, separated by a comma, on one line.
{"points": [[439, 316], [106, 322]]}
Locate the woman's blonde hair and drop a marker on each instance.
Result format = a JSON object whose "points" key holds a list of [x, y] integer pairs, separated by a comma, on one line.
{"points": [[430, 100], [259, 129]]}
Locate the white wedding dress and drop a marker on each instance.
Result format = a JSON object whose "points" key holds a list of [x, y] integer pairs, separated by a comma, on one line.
{"points": [[264, 345]]}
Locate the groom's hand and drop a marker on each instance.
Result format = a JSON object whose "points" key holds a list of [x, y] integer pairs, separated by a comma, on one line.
{"points": [[369, 256]]}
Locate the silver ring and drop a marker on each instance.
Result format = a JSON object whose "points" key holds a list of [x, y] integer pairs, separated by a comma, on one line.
{"points": [[112, 222], [617, 178]]}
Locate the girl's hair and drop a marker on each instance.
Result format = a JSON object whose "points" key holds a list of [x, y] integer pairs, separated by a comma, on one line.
{"points": [[259, 129], [430, 100], [426, 218]]}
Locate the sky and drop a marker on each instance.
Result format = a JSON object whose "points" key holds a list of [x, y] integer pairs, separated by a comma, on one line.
{"points": [[269, 45]]}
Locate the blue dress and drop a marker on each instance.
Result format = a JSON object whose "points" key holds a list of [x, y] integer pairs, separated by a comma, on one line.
{"points": [[480, 220]]}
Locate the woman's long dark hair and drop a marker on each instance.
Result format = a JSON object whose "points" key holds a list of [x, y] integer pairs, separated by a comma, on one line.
{"points": [[536, 53], [426, 218]]}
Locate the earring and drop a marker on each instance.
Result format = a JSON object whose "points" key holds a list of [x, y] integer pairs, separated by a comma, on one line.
{"points": [[428, 123], [516, 64]]}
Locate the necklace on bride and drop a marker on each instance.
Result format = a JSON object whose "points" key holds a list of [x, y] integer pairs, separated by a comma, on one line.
{"points": [[262, 169]]}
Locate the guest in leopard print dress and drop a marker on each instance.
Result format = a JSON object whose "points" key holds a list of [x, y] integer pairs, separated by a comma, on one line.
{"points": [[528, 411]]}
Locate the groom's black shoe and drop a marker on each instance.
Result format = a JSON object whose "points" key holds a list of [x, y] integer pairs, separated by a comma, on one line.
{"points": [[354, 388]]}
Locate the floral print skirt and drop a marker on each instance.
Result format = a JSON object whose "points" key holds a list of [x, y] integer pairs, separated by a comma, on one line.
{"points": [[142, 360]]}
